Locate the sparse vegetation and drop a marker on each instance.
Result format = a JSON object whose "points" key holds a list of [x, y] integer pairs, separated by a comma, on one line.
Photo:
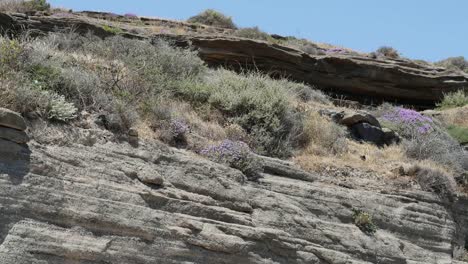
{"points": [[454, 63], [425, 138], [214, 18], [364, 221], [124, 77], [22, 6], [455, 99], [302, 45], [253, 33]]}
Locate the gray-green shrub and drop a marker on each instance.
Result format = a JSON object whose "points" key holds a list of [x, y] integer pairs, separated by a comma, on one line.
{"points": [[454, 63], [455, 99], [253, 33], [214, 18], [256, 102]]}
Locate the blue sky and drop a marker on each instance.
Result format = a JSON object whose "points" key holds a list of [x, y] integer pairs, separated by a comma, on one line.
{"points": [[419, 29]]}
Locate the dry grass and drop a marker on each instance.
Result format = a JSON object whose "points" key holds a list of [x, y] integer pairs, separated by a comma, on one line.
{"points": [[366, 157], [12, 6], [455, 116]]}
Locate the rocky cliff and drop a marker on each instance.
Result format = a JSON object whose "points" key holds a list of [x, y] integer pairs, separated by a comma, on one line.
{"points": [[99, 201], [357, 76]]}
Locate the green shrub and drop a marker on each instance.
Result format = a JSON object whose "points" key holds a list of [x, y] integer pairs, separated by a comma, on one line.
{"points": [[214, 18], [23, 98], [59, 109], [112, 30], [253, 33], [459, 133], [455, 99], [454, 63], [364, 221], [388, 52], [257, 103]]}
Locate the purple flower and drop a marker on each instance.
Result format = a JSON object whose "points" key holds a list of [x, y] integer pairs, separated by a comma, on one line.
{"points": [[179, 127], [130, 15], [410, 119], [227, 151]]}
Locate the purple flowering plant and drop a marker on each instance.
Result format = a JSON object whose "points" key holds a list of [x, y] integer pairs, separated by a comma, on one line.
{"points": [[179, 128], [408, 122], [130, 15], [236, 154]]}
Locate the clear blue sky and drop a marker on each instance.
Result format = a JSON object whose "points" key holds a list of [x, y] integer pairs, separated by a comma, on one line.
{"points": [[419, 29]]}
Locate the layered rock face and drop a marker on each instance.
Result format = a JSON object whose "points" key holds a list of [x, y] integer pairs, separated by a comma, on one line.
{"points": [[113, 203], [360, 77]]}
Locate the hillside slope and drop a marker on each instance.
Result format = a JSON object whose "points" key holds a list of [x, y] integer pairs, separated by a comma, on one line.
{"points": [[130, 149], [355, 75]]}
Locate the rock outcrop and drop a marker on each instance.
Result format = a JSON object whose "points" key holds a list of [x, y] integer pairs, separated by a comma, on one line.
{"points": [[360, 77], [363, 126], [113, 203]]}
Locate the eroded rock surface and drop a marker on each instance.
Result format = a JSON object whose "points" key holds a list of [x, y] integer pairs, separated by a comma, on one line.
{"points": [[113, 203]]}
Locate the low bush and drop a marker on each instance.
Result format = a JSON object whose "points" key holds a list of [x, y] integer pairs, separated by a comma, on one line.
{"points": [[454, 63], [214, 18], [455, 99], [253, 33], [435, 180], [425, 138], [59, 109], [236, 154], [27, 99], [388, 52], [124, 79], [307, 93], [364, 221], [10, 52], [256, 102]]}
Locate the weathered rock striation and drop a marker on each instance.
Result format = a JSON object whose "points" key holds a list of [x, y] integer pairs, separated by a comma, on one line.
{"points": [[112, 203], [361, 77]]}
